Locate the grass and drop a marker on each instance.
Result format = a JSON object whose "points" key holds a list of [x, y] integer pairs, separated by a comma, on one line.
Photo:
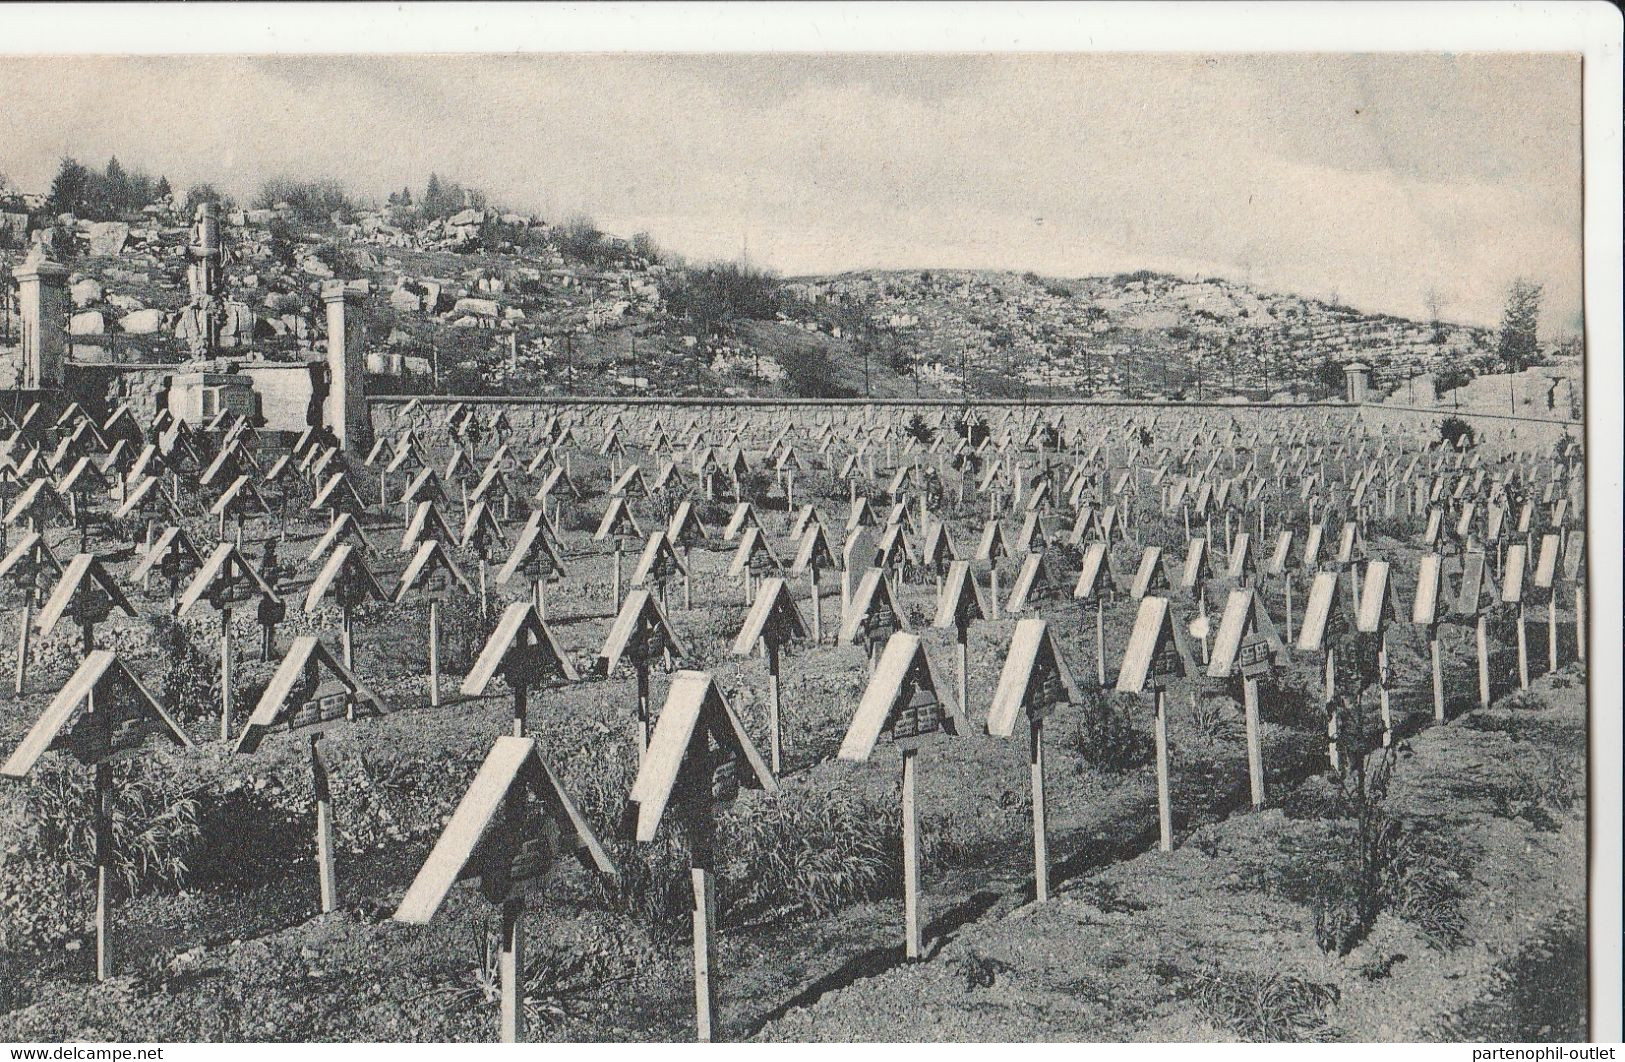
{"points": [[1265, 1008]]}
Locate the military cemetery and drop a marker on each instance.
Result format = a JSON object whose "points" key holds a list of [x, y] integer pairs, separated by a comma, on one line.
{"points": [[424, 622]]}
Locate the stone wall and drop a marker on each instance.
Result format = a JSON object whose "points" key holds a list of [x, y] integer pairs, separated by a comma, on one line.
{"points": [[762, 419]]}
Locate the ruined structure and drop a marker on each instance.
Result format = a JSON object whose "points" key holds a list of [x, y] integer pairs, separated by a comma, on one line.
{"points": [[43, 307]]}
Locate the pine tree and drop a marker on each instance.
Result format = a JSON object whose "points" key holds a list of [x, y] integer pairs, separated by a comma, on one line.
{"points": [[68, 188], [1520, 321], [433, 197], [163, 190]]}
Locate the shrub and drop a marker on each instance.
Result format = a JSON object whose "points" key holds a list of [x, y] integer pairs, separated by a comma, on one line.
{"points": [[1268, 1008], [919, 430], [777, 859], [189, 680], [1456, 432], [48, 870], [1346, 910], [1109, 737]]}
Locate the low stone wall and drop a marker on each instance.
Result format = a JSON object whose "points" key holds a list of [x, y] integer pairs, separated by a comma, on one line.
{"points": [[763, 418]]}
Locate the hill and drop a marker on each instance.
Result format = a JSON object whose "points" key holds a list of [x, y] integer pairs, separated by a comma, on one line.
{"points": [[489, 302]]}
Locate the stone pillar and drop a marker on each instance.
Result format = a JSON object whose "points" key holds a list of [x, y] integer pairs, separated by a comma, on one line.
{"points": [[42, 298], [345, 412], [1357, 375]]}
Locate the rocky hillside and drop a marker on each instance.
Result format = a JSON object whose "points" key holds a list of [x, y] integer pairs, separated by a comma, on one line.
{"points": [[486, 301]]}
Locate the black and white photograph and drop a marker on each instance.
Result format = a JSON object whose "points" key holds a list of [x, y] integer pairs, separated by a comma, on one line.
{"points": [[642, 523]]}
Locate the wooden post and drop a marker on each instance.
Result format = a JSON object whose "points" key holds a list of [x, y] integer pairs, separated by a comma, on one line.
{"points": [[1332, 757], [347, 637], [775, 737], [1579, 620], [1523, 651], [1255, 751], [104, 865], [700, 859], [509, 963], [22, 643], [225, 673], [688, 583], [1481, 636], [911, 861], [616, 602], [1384, 706], [324, 829], [1165, 811], [1288, 576], [485, 603], [519, 698], [434, 654], [1438, 675], [817, 606], [995, 606], [1551, 632], [541, 597], [1100, 641], [1040, 819], [962, 665], [644, 723]]}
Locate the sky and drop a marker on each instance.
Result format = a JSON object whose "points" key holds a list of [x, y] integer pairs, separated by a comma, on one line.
{"points": [[1374, 178]]}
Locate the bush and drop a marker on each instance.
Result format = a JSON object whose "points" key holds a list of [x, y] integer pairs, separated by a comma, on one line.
{"points": [[1109, 737], [48, 870], [189, 680], [1456, 432], [313, 202], [777, 859], [1269, 1008], [811, 374]]}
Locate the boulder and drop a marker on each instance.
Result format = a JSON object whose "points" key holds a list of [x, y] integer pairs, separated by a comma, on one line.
{"points": [[316, 268], [142, 322], [87, 323], [479, 307], [107, 238], [405, 301], [86, 291], [127, 303], [466, 217]]}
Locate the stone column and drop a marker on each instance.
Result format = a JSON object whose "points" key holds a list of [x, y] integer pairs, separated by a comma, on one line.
{"points": [[1357, 378], [42, 297], [345, 412]]}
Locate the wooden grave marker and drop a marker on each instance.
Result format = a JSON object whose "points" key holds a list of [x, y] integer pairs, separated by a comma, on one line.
{"points": [[1097, 583], [773, 621], [906, 701], [873, 616], [1248, 645], [534, 556], [1034, 681], [513, 822], [1157, 653], [297, 699], [226, 578], [642, 634], [433, 574], [958, 606], [101, 714], [1379, 606], [699, 756], [351, 582], [524, 652]]}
